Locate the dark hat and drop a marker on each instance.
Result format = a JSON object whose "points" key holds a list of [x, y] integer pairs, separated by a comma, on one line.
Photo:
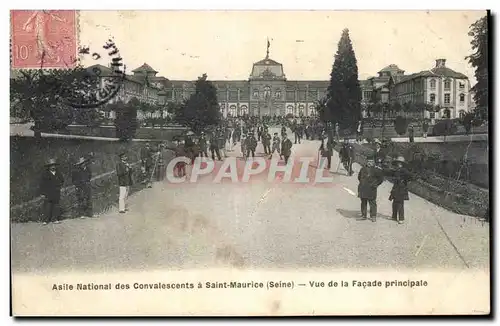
{"points": [[122, 154], [51, 162]]}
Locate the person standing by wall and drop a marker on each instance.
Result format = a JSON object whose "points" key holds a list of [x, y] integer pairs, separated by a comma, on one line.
{"points": [[124, 173], [425, 127], [82, 176], [266, 141], [50, 188]]}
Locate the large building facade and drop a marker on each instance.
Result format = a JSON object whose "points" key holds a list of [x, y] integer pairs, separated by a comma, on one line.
{"points": [[445, 89], [267, 92]]}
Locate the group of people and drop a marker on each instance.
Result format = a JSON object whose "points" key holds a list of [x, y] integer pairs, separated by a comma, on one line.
{"points": [[52, 181], [373, 174]]}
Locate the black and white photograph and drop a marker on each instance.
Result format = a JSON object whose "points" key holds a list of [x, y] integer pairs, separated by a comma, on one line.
{"points": [[249, 163]]}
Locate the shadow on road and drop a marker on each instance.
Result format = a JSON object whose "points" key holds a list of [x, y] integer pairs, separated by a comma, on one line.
{"points": [[357, 214]]}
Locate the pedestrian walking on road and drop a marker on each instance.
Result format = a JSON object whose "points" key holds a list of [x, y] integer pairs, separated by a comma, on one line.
{"points": [[346, 155], [399, 193], [286, 148], [50, 188], [276, 145], [82, 176], [214, 146], [370, 177], [124, 173], [202, 144], [251, 144], [326, 150], [266, 142]]}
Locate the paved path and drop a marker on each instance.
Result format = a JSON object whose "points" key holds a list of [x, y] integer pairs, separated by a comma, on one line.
{"points": [[255, 225]]}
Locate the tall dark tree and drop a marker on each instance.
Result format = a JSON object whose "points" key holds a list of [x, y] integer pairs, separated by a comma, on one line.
{"points": [[479, 60], [202, 108], [126, 119], [344, 91]]}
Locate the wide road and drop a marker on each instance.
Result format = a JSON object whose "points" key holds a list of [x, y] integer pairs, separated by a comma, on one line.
{"points": [[259, 224]]}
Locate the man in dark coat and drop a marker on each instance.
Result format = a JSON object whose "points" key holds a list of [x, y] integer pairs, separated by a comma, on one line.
{"points": [[399, 193], [369, 178], [346, 155], [283, 131], [286, 148], [425, 128], [251, 144], [266, 141], [147, 164], [214, 146], [124, 173], [327, 150], [81, 179], [50, 188], [202, 144], [298, 132], [411, 134]]}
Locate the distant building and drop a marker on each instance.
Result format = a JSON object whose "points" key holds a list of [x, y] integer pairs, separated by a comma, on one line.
{"points": [[266, 92], [438, 86]]}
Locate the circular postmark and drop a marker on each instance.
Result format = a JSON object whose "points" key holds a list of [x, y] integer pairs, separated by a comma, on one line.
{"points": [[87, 87]]}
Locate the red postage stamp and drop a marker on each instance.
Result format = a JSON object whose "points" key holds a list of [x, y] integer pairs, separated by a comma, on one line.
{"points": [[43, 38]]}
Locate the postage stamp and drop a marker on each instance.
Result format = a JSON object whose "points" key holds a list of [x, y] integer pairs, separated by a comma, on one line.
{"points": [[318, 168], [44, 38]]}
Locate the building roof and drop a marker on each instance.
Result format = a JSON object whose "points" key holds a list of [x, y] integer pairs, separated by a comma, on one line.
{"points": [[447, 72], [390, 68], [145, 67], [267, 62]]}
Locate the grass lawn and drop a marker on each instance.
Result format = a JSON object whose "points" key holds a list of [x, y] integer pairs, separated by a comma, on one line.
{"points": [[27, 160]]}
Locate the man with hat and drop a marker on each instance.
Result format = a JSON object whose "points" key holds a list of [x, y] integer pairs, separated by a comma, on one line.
{"points": [[147, 164], [399, 193], [346, 155], [124, 173], [50, 188], [81, 179], [266, 141], [251, 144], [286, 148], [202, 144], [326, 150], [369, 178]]}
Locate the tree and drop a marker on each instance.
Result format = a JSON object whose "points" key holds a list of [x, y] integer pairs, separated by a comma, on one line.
{"points": [[400, 125], [49, 97], [201, 110], [34, 94], [126, 119], [344, 92], [479, 60]]}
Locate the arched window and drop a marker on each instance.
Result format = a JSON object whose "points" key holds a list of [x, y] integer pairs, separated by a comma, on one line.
{"points": [[232, 110], [447, 84], [255, 92], [433, 83], [461, 114], [278, 94], [289, 109], [432, 98], [462, 98]]}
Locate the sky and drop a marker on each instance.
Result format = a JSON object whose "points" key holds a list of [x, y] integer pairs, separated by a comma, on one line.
{"points": [[182, 45]]}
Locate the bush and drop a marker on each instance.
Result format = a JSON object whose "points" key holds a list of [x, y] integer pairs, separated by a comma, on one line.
{"points": [[400, 125], [444, 128]]}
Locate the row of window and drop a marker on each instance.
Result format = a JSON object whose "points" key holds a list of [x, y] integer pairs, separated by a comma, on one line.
{"points": [[447, 84], [447, 98]]}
